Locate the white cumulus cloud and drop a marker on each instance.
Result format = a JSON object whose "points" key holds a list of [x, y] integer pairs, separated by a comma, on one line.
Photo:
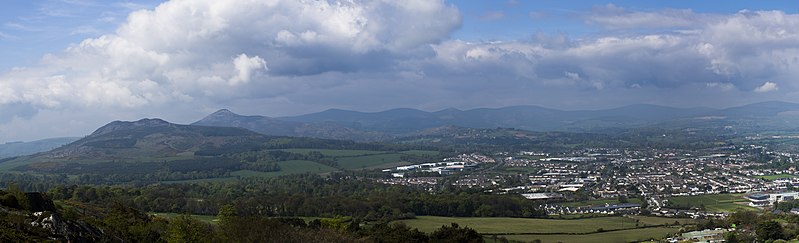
{"points": [[205, 49], [766, 87], [245, 67], [725, 52], [185, 58]]}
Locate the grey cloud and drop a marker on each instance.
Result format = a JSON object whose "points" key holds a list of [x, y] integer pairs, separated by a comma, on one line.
{"points": [[16, 110], [742, 50], [374, 55]]}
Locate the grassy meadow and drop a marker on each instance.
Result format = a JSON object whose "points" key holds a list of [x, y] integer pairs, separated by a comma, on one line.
{"points": [[713, 202], [599, 229], [775, 177], [365, 159]]}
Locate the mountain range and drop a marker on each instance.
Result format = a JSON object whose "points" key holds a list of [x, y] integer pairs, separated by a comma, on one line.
{"points": [[153, 137], [401, 125], [13, 149], [142, 140], [225, 142], [285, 127], [151, 145], [403, 122]]}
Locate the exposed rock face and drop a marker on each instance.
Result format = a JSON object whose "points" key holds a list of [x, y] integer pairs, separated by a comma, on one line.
{"points": [[34, 217], [69, 231]]}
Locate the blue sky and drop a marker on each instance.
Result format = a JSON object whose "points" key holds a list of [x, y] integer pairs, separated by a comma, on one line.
{"points": [[31, 29], [71, 66]]}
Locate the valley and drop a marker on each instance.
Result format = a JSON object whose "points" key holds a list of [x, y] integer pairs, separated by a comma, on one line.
{"points": [[638, 183], [376, 121]]}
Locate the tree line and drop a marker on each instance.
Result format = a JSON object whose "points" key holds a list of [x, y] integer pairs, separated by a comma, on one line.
{"points": [[81, 222], [304, 195]]}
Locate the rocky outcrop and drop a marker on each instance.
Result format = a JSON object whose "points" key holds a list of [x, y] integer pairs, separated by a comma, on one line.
{"points": [[70, 231], [33, 217]]}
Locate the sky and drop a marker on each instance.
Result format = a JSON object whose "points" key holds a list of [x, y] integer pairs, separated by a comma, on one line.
{"points": [[71, 66]]}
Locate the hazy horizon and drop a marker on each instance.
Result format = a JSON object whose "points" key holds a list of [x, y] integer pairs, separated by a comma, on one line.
{"points": [[363, 111], [72, 66]]}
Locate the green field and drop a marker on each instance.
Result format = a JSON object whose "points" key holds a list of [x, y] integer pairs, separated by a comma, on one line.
{"points": [[365, 159], [420, 152], [599, 202], [775, 177], [712, 203], [523, 225], [368, 161], [650, 221], [615, 229], [335, 152], [387, 165], [289, 168], [630, 235]]}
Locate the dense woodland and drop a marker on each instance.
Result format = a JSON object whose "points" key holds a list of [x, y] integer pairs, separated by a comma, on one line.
{"points": [[75, 221], [303, 195]]}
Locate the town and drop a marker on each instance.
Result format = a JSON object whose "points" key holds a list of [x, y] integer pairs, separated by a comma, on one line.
{"points": [[674, 183]]}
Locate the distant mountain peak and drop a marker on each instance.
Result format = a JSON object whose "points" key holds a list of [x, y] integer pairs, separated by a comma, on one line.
{"points": [[225, 116], [117, 125], [223, 112], [151, 122], [450, 110]]}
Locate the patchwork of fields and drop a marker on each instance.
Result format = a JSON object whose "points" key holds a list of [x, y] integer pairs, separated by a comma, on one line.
{"points": [[613, 229], [289, 168], [365, 159], [346, 160]]}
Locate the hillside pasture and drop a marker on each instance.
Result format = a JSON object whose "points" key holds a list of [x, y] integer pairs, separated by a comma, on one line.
{"points": [[627, 235], [501, 225], [599, 229], [335, 152], [712, 202], [420, 152], [368, 161], [365, 159], [291, 167]]}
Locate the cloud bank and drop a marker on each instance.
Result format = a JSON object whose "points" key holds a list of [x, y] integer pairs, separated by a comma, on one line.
{"points": [[186, 58], [189, 49]]}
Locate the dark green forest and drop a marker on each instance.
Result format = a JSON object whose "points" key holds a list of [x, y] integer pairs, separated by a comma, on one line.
{"points": [[34, 217]]}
